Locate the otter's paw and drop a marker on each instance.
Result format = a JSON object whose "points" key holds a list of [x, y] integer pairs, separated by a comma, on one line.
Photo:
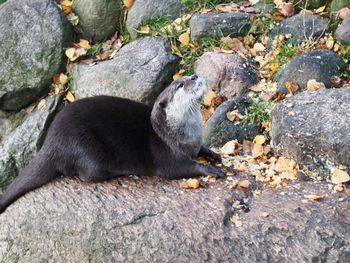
{"points": [[215, 172]]}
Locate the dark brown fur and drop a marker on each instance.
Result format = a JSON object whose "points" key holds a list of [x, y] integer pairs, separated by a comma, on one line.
{"points": [[100, 138]]}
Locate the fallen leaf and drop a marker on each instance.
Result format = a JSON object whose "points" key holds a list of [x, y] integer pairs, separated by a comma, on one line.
{"points": [[84, 44], [244, 183], [339, 176], [288, 9], [70, 53], [259, 139], [254, 2], [247, 146], [320, 9], [313, 85], [179, 74], [73, 19], [209, 97], [63, 79], [66, 6], [184, 38], [259, 47], [234, 116], [70, 96], [128, 3], [144, 30], [314, 197], [291, 86], [191, 183], [257, 151], [229, 147]]}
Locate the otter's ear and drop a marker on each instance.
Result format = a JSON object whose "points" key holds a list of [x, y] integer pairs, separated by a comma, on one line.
{"points": [[163, 103]]}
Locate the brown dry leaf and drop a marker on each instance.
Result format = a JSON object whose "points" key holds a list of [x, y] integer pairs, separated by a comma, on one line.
{"points": [[179, 74], [128, 3], [259, 47], [314, 197], [288, 9], [229, 147], [247, 146], [66, 6], [291, 86], [191, 183], [63, 79], [244, 183], [234, 44], [70, 96], [284, 165], [104, 55], [343, 13], [227, 8], [313, 85], [257, 151], [340, 176], [234, 116], [236, 220], [259, 139], [320, 10], [209, 97], [84, 44], [184, 38], [176, 51]]}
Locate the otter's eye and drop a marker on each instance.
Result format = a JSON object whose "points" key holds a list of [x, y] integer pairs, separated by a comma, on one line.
{"points": [[181, 85]]}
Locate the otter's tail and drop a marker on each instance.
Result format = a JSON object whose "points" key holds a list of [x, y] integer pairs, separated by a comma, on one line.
{"points": [[38, 172]]}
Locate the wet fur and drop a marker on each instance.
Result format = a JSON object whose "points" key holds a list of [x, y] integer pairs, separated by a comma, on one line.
{"points": [[100, 138]]}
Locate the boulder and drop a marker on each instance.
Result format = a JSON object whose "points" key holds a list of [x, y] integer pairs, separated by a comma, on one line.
{"points": [[33, 35], [23, 136], [228, 74], [301, 27], [151, 220], [144, 10], [336, 5], [313, 127], [343, 32], [131, 74], [218, 130], [217, 25], [98, 19], [320, 65]]}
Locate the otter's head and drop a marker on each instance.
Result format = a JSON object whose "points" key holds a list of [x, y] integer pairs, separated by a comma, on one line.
{"points": [[180, 99]]}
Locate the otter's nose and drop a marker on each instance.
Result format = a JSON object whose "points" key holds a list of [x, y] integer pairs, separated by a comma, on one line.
{"points": [[194, 77]]}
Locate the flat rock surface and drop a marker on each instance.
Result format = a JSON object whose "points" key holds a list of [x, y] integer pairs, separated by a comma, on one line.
{"points": [[213, 25], [343, 31], [140, 71], [33, 35], [144, 10], [320, 65], [313, 127], [228, 74], [152, 220]]}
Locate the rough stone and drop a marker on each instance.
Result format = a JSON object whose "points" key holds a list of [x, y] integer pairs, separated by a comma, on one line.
{"points": [[144, 10], [23, 135], [336, 5], [33, 34], [98, 19], [219, 130], [218, 25], [131, 74], [150, 220], [313, 127], [228, 74], [301, 27], [343, 31], [320, 65]]}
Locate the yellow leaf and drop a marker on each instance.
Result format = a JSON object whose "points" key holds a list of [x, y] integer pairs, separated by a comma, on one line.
{"points": [[70, 52], [229, 147], [191, 183], [340, 176], [128, 3], [259, 139], [314, 197], [63, 79], [184, 38], [320, 9], [179, 74], [144, 30], [73, 19], [209, 97], [70, 96], [66, 6], [84, 44]]}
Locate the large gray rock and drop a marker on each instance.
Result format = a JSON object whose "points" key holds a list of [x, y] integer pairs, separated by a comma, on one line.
{"points": [[228, 74], [218, 130], [98, 19], [313, 127], [144, 10], [343, 31], [320, 65], [140, 71], [150, 220], [23, 136], [216, 25], [301, 27], [33, 34]]}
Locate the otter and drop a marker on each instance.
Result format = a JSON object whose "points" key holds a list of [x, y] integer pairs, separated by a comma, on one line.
{"points": [[103, 137]]}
